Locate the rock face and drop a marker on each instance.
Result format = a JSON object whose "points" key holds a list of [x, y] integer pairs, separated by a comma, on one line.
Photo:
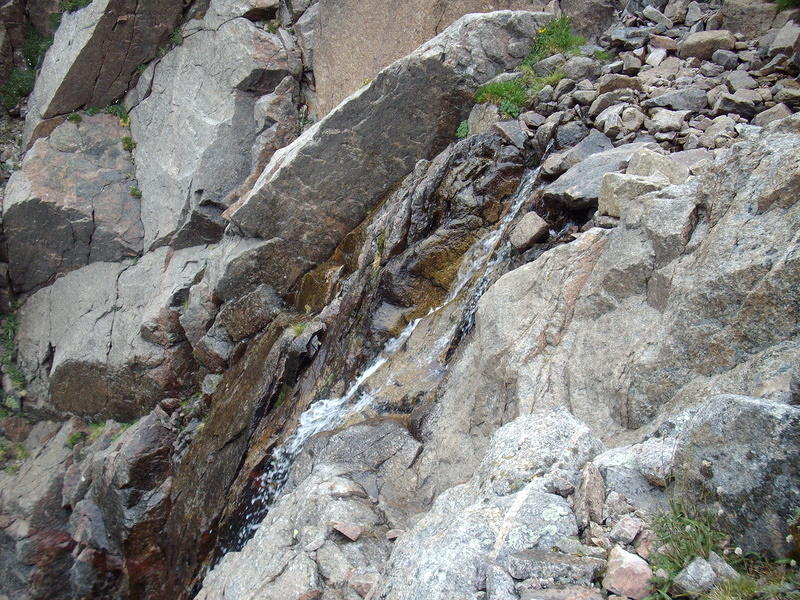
{"points": [[196, 127], [357, 39], [104, 340], [94, 57], [71, 203], [376, 137]]}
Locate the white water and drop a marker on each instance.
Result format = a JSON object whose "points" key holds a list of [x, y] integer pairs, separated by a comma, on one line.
{"points": [[326, 414]]}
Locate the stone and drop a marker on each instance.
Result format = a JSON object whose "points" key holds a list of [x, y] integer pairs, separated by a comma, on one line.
{"points": [[591, 18], [589, 497], [611, 83], [694, 13], [513, 132], [733, 103], [620, 120], [692, 99], [549, 65], [696, 578], [184, 137], [70, 204], [627, 574], [482, 117], [786, 41], [733, 472], [562, 569], [360, 38], [530, 229], [776, 113], [619, 190], [656, 57], [656, 16], [629, 37], [579, 186], [499, 584], [751, 19], [349, 530], [306, 31], [570, 134], [532, 119], [246, 316], [721, 568], [104, 340], [663, 42], [667, 120], [719, 132], [631, 64], [740, 80], [370, 125], [648, 163], [703, 44], [787, 91], [94, 58], [726, 59], [571, 592], [626, 530], [581, 67]]}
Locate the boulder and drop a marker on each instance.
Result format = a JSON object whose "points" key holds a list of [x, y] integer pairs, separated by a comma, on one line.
{"points": [[695, 579], [664, 120], [776, 113], [786, 41], [627, 574], [649, 163], [377, 136], [197, 126], [482, 117], [619, 190], [71, 203], [751, 19], [531, 229], [579, 187], [221, 11], [581, 67], [756, 491], [703, 44], [94, 58], [361, 37], [104, 340], [692, 99], [591, 18]]}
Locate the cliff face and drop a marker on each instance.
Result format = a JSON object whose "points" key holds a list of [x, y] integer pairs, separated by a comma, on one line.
{"points": [[471, 332]]}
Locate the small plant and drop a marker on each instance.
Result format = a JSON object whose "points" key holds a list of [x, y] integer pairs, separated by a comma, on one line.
{"points": [[92, 111], [73, 5], [282, 396], [787, 4], [602, 55], [18, 85], [34, 47], [75, 438], [508, 95], [128, 143], [141, 68], [176, 37], [75, 118], [55, 20], [95, 431], [118, 111], [298, 328], [136, 192], [463, 130], [272, 25], [8, 335], [554, 38]]}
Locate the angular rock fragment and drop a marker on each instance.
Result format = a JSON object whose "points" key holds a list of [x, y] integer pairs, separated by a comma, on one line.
{"points": [[627, 574]]}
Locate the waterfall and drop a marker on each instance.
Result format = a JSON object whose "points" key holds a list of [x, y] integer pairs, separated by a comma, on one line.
{"points": [[474, 277]]}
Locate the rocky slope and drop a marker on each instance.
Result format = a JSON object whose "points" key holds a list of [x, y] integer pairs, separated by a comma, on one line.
{"points": [[469, 333]]}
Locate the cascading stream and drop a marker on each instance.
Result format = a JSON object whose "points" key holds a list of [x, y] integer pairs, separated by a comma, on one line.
{"points": [[491, 251]]}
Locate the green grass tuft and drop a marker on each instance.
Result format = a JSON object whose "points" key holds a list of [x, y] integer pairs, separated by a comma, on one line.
{"points": [[176, 37], [18, 85], [73, 5], [554, 38], [463, 130], [136, 192], [75, 118], [128, 143], [298, 328], [508, 95]]}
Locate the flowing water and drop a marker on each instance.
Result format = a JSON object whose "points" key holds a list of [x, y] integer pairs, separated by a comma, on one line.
{"points": [[482, 266]]}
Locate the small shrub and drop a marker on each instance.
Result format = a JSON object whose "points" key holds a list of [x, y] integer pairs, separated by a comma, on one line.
{"points": [[34, 47], [117, 110], [463, 130], [74, 118], [18, 85], [75, 438], [176, 37], [136, 192], [128, 143], [554, 38], [73, 5], [55, 20]]}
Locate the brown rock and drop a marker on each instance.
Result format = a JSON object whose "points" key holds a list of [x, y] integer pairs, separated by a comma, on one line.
{"points": [[751, 19], [590, 496], [612, 82], [531, 229], [349, 530], [703, 44], [360, 37], [627, 574]]}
